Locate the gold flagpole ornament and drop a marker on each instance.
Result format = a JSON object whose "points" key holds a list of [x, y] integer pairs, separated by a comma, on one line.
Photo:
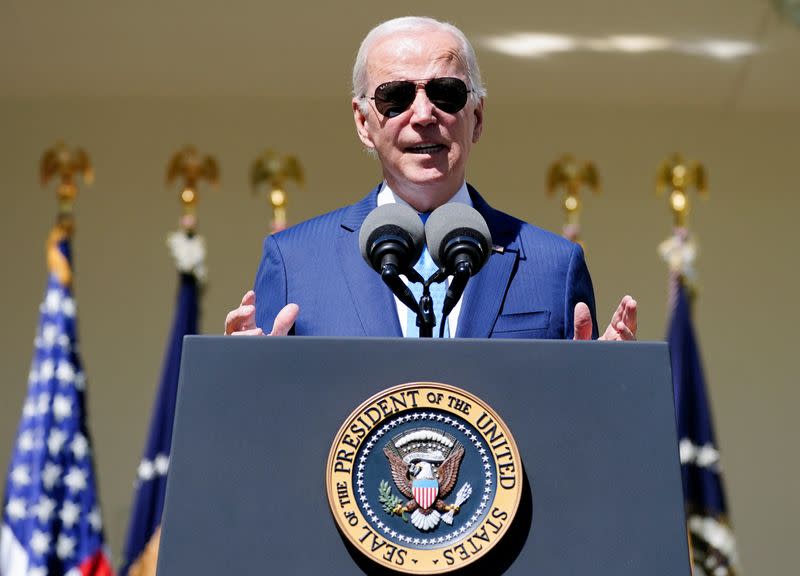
{"points": [[677, 176], [680, 250], [572, 176], [189, 165], [276, 170], [65, 164], [187, 247]]}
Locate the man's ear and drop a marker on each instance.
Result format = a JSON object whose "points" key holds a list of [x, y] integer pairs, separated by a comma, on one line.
{"points": [[362, 126], [477, 129]]}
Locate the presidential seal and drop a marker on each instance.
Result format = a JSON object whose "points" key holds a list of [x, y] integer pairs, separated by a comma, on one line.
{"points": [[424, 478]]}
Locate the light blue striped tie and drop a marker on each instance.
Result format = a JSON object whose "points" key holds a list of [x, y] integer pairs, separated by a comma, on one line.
{"points": [[426, 268]]}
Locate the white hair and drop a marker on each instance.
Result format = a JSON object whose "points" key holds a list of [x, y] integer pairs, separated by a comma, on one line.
{"points": [[416, 25]]}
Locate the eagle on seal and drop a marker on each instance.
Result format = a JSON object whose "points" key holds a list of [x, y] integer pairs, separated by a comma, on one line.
{"points": [[426, 484]]}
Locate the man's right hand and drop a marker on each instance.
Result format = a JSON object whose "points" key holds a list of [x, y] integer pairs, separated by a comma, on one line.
{"points": [[242, 321]]}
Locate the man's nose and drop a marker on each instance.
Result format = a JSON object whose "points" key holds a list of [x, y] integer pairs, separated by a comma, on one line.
{"points": [[422, 108]]}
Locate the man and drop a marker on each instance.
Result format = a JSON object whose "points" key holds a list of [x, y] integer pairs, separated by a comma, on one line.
{"points": [[418, 106]]}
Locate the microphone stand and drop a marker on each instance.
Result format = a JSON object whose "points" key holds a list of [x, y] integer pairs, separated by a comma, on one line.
{"points": [[426, 318], [461, 276]]}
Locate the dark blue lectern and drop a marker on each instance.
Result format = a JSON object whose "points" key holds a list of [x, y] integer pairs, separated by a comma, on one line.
{"points": [[593, 421]]}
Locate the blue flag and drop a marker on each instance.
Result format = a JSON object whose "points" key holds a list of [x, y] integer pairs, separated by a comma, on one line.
{"points": [[141, 548], [51, 514], [712, 541]]}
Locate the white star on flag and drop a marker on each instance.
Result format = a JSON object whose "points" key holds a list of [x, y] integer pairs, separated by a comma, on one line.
{"points": [[162, 464], [43, 403], [46, 370], [63, 342], [80, 381], [65, 547], [80, 446], [56, 441], [33, 376], [44, 509], [51, 474], [21, 476], [16, 509], [707, 455], [70, 512], [37, 571], [68, 307], [52, 301], [25, 441], [49, 334], [40, 542], [62, 407], [29, 409], [145, 470], [65, 372], [75, 479], [95, 520]]}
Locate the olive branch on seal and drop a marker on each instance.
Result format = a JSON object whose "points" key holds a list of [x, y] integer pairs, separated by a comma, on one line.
{"points": [[391, 503]]}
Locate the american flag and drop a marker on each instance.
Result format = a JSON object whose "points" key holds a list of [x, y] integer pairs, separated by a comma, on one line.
{"points": [[51, 522]]}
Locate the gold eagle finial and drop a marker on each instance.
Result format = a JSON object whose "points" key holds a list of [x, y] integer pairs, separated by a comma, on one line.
{"points": [[188, 164], [677, 176], [276, 170], [572, 176], [66, 164]]}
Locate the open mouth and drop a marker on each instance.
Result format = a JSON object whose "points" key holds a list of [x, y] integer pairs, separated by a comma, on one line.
{"points": [[425, 149]]}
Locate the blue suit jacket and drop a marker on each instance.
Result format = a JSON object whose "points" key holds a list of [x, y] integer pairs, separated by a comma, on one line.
{"points": [[527, 291]]}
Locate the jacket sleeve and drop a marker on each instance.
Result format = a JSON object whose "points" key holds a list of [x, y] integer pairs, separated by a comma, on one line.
{"points": [[270, 285], [578, 289]]}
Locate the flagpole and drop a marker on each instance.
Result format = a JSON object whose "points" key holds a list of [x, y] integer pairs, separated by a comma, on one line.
{"points": [[51, 521], [711, 542], [188, 251]]}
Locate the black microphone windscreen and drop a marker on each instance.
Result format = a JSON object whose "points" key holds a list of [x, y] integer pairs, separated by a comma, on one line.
{"points": [[391, 219], [455, 219]]}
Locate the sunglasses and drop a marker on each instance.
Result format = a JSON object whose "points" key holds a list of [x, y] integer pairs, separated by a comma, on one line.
{"points": [[447, 94]]}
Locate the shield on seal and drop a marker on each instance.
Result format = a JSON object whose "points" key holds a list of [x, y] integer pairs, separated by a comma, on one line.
{"points": [[425, 492]]}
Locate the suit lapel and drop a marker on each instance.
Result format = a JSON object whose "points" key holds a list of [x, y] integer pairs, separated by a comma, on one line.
{"points": [[486, 291], [372, 299]]}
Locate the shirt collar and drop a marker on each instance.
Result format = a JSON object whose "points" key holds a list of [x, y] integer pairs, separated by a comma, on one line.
{"points": [[387, 196]]}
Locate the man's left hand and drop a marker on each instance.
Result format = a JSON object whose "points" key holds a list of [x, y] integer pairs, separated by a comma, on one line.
{"points": [[622, 326]]}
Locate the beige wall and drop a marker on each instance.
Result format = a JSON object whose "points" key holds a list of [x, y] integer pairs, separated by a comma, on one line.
{"points": [[125, 281]]}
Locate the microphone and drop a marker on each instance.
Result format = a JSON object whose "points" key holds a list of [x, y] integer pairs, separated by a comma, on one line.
{"points": [[460, 243], [391, 239]]}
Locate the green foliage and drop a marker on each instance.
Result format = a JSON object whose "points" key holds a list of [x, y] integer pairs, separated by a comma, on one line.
{"points": [[389, 501]]}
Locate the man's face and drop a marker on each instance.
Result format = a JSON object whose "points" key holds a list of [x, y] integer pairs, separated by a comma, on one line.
{"points": [[423, 150]]}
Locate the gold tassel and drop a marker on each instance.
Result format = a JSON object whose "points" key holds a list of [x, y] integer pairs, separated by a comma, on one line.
{"points": [[57, 263]]}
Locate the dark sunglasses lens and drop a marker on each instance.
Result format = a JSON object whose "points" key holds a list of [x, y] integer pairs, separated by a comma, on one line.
{"points": [[447, 94], [394, 98]]}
